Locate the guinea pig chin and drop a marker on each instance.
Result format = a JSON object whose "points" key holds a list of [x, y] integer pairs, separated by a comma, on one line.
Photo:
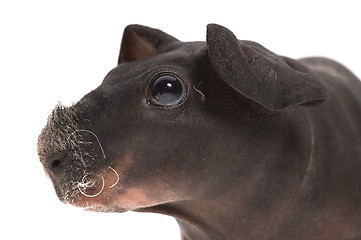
{"points": [[109, 195]]}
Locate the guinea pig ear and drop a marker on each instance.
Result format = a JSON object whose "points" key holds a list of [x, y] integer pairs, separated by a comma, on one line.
{"points": [[140, 42], [271, 80]]}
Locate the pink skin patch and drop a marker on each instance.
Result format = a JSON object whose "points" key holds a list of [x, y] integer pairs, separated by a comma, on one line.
{"points": [[106, 193]]}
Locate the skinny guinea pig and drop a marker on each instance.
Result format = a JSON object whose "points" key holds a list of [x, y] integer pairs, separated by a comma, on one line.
{"points": [[233, 140]]}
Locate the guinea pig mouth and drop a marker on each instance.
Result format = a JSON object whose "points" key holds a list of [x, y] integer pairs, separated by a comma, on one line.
{"points": [[99, 193], [88, 189], [87, 185]]}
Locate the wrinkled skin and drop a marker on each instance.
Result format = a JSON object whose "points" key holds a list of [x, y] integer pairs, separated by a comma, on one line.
{"points": [[260, 147]]}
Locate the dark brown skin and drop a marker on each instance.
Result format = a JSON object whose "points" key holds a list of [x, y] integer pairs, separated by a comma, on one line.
{"points": [[251, 145]]}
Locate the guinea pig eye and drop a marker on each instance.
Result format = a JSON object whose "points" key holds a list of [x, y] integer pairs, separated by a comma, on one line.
{"points": [[167, 90]]}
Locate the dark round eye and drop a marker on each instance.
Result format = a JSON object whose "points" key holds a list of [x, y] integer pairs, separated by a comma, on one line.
{"points": [[167, 90]]}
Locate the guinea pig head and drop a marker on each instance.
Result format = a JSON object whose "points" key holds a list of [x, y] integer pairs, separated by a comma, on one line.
{"points": [[174, 121]]}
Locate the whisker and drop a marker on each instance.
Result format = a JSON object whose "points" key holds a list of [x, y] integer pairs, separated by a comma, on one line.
{"points": [[90, 196], [87, 131], [196, 88], [116, 173]]}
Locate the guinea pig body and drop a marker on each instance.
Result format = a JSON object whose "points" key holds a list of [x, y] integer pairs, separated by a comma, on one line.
{"points": [[233, 140]]}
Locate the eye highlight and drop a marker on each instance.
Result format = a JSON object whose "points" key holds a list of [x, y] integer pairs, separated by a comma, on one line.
{"points": [[167, 90]]}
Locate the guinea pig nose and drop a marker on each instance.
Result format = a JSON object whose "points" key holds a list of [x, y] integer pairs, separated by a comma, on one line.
{"points": [[56, 160]]}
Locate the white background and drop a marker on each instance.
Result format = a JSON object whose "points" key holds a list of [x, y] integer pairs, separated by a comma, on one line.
{"points": [[59, 50]]}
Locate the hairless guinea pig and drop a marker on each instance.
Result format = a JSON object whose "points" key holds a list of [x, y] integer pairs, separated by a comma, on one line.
{"points": [[233, 140]]}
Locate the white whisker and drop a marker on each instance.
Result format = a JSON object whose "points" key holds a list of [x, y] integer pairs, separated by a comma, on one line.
{"points": [[116, 182], [90, 196], [196, 88], [101, 148]]}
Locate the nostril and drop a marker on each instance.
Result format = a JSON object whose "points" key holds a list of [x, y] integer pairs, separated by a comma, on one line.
{"points": [[56, 163], [56, 160]]}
